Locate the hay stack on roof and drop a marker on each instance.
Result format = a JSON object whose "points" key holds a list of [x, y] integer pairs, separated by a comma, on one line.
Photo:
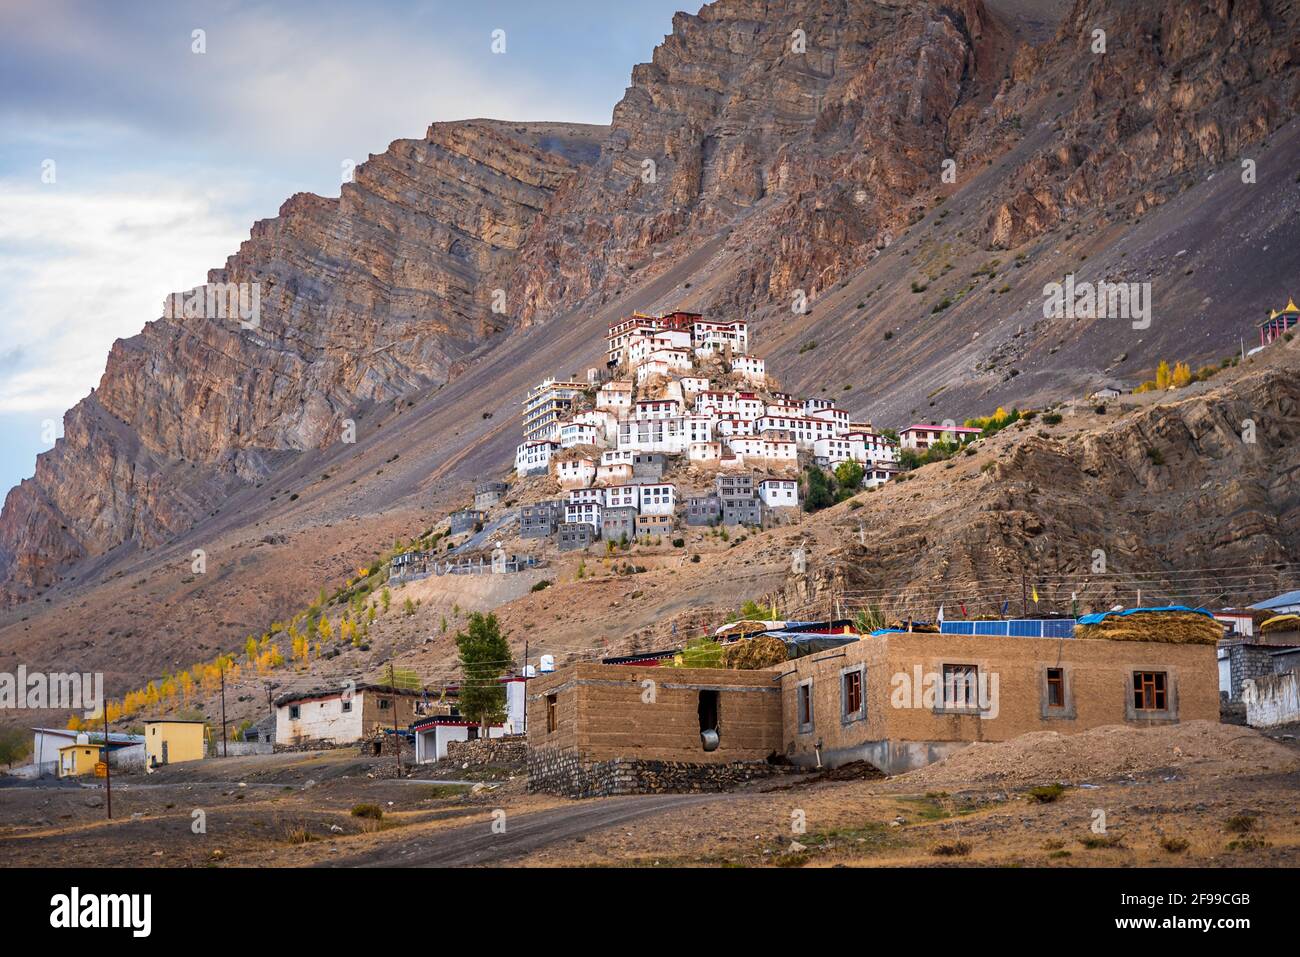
{"points": [[1281, 623], [1176, 625], [749, 654]]}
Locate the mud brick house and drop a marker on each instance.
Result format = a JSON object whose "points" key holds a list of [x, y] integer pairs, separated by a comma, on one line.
{"points": [[901, 700], [340, 715], [653, 525], [898, 700], [596, 729]]}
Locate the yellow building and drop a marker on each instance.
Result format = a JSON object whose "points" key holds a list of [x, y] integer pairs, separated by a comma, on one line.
{"points": [[171, 741], [78, 759]]}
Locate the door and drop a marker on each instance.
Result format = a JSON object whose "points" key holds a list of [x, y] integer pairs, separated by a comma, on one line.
{"points": [[164, 761]]}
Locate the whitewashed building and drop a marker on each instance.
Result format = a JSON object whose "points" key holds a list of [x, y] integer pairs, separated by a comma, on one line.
{"points": [[584, 513], [719, 336], [779, 493], [616, 397], [921, 437], [658, 499], [623, 496], [704, 452], [578, 472], [656, 409], [534, 458], [829, 451], [580, 433], [653, 435], [752, 368]]}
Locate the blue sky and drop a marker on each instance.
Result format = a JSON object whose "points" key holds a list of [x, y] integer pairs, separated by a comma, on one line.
{"points": [[130, 164]]}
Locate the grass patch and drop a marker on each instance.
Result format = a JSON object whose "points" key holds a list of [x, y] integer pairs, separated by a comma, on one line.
{"points": [[295, 832], [438, 791], [369, 811], [1240, 824]]}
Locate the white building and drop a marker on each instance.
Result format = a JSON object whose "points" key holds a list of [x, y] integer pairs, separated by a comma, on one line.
{"points": [[717, 402], [752, 368], [580, 496], [534, 458], [653, 435], [779, 493], [546, 405], [749, 406], [878, 475], [584, 512], [605, 421], [833, 450], [693, 385], [731, 426], [340, 715], [804, 431], [576, 472], [432, 734], [704, 452], [656, 409], [613, 474], [615, 396], [719, 336], [658, 499], [623, 496], [838, 418], [580, 433]]}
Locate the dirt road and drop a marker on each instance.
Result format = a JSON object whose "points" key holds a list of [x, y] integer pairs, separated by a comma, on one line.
{"points": [[478, 844]]}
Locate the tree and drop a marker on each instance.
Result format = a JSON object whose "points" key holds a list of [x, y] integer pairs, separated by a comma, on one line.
{"points": [[15, 744], [484, 656], [386, 597], [1163, 375], [848, 476], [1182, 375], [818, 494]]}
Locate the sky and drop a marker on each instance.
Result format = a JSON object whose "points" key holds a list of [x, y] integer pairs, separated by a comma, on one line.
{"points": [[135, 152]]}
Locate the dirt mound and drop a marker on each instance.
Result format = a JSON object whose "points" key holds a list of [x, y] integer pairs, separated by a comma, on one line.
{"points": [[1196, 748]]}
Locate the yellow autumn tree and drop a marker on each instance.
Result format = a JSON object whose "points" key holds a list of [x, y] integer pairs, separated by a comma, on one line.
{"points": [[1163, 375], [325, 628], [1182, 375]]}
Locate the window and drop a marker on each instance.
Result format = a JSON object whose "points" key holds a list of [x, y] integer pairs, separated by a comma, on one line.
{"points": [[961, 687], [851, 694], [1056, 687], [385, 704], [805, 706], [552, 714], [294, 712], [347, 705], [1149, 691], [708, 711]]}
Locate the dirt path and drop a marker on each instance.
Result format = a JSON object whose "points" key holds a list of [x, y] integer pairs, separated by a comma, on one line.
{"points": [[477, 844]]}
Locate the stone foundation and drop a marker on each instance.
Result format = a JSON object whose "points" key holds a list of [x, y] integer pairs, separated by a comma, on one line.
{"points": [[508, 752], [564, 772]]}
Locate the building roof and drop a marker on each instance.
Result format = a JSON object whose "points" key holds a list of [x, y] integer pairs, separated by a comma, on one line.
{"points": [[173, 721], [1280, 601], [113, 736], [334, 691], [940, 428]]}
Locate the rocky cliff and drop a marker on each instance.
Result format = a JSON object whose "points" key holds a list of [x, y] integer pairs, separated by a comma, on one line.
{"points": [[768, 149], [380, 292]]}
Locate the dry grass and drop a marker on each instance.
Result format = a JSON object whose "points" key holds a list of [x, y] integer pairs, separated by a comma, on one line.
{"points": [[1171, 627], [750, 654]]}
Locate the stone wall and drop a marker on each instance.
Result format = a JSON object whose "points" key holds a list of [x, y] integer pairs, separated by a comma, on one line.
{"points": [[564, 772], [1246, 662], [486, 752]]}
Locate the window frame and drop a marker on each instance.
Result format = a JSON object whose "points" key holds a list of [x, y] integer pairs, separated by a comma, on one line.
{"points": [[1055, 679], [295, 712], [942, 704], [552, 713], [859, 674], [803, 698], [1158, 692]]}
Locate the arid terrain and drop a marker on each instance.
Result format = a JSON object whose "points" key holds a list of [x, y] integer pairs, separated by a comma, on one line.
{"points": [[1192, 795]]}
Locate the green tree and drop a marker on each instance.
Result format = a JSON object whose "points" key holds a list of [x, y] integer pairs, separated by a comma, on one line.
{"points": [[848, 476], [15, 743], [484, 657], [817, 490]]}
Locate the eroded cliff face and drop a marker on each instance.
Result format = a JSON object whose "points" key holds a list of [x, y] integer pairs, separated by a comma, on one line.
{"points": [[803, 130], [1179, 87], [362, 298]]}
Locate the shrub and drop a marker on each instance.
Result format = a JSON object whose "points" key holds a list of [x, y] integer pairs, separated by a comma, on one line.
{"points": [[1240, 824], [1046, 793], [1052, 418], [955, 849], [542, 585], [1174, 845], [695, 559], [679, 543]]}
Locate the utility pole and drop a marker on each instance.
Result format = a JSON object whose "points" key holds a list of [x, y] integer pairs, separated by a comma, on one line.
{"points": [[108, 771], [525, 730], [397, 741], [221, 669]]}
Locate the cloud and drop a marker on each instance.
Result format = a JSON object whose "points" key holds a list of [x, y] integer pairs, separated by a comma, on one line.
{"points": [[81, 269]]}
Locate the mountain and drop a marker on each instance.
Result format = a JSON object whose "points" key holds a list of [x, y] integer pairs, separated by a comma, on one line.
{"points": [[769, 154]]}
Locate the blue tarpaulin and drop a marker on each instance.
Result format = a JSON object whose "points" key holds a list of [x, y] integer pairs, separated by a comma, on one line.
{"points": [[1098, 617]]}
